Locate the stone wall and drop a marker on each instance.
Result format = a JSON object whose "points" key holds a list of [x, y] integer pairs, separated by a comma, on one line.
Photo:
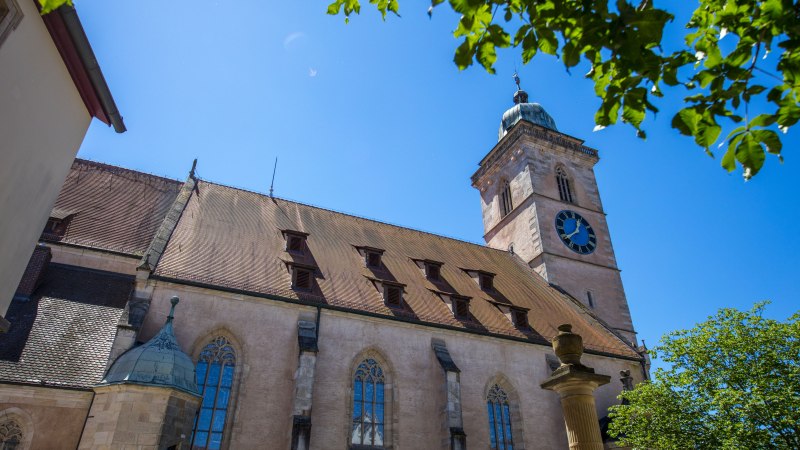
{"points": [[141, 417], [53, 417], [265, 334]]}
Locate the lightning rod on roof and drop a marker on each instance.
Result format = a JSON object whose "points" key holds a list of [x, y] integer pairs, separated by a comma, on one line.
{"points": [[272, 184]]}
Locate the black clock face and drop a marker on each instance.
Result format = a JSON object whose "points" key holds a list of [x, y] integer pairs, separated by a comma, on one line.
{"points": [[575, 232]]}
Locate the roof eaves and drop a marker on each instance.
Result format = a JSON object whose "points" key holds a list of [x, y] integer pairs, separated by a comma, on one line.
{"points": [[73, 45]]}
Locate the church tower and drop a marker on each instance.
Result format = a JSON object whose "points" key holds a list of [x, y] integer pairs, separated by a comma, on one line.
{"points": [[540, 199]]}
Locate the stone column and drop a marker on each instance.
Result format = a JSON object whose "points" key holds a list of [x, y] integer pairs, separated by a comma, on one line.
{"points": [[455, 423], [575, 383], [304, 385]]}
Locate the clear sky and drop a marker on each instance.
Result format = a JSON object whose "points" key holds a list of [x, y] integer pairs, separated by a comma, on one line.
{"points": [[373, 118]]}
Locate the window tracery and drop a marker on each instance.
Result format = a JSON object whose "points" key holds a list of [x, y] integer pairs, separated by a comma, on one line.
{"points": [[505, 199], [215, 374], [368, 418], [10, 435], [499, 412], [564, 188]]}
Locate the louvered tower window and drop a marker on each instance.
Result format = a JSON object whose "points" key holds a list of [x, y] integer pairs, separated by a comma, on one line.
{"points": [[368, 406], [564, 189], [215, 371], [499, 419], [505, 199]]}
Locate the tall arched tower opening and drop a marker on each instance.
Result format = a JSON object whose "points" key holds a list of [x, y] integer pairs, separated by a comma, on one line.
{"points": [[540, 199]]}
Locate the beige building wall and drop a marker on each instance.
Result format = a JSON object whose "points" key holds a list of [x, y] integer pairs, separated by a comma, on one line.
{"points": [[51, 418], [93, 259], [265, 334], [42, 123]]}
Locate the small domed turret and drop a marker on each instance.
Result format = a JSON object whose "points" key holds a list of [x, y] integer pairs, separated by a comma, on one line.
{"points": [[522, 110], [159, 362]]}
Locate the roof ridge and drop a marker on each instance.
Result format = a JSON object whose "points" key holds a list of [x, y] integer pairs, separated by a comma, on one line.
{"points": [[106, 166], [463, 241]]}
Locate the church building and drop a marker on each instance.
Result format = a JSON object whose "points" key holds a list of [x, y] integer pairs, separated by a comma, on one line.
{"points": [[164, 314]]}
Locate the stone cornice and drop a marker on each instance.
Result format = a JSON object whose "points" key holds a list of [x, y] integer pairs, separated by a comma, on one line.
{"points": [[525, 128]]}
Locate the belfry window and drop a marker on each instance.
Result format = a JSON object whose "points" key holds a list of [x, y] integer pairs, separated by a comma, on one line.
{"points": [[499, 419], [215, 374], [368, 424], [564, 189], [505, 199]]}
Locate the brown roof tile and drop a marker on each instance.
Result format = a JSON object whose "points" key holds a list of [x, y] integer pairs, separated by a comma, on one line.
{"points": [[232, 239], [63, 335], [111, 208]]}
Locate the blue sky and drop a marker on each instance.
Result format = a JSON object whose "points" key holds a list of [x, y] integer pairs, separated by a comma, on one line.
{"points": [[373, 118]]}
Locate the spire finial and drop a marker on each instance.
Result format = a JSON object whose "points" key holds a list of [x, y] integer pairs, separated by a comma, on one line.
{"points": [[174, 301], [520, 96], [194, 166]]}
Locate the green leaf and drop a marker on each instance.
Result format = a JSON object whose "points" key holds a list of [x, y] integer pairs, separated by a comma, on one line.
{"points": [[52, 5]]}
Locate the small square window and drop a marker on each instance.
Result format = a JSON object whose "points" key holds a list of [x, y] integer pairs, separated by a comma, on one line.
{"points": [[373, 259], [433, 271], [393, 295], [294, 243], [486, 281], [301, 278], [460, 308], [520, 318]]}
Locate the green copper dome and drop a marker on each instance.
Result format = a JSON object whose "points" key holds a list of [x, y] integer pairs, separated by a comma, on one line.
{"points": [[159, 362], [522, 110]]}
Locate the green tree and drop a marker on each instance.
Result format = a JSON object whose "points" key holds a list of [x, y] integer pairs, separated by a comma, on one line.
{"points": [[621, 44], [734, 383]]}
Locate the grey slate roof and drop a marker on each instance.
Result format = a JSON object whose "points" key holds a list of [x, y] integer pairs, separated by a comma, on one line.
{"points": [[63, 335]]}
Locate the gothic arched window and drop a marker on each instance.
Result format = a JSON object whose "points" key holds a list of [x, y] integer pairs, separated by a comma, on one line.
{"points": [[505, 199], [215, 369], [564, 189], [499, 419], [10, 435], [368, 421]]}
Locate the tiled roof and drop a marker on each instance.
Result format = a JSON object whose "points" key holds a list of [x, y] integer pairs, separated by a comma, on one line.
{"points": [[63, 335], [232, 239], [111, 208]]}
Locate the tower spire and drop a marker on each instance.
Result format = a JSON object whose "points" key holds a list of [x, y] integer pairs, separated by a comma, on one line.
{"points": [[520, 96]]}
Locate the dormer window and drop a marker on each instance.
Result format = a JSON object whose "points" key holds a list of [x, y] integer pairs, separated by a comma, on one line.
{"points": [[302, 277], [372, 256], [520, 318], [373, 259], [433, 270], [486, 281], [393, 294], [295, 241], [460, 307]]}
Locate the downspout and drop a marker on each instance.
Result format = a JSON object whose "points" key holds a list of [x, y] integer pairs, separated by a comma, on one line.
{"points": [[85, 421]]}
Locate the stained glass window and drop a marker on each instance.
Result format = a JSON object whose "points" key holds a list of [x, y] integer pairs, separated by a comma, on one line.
{"points": [[10, 435], [499, 419], [368, 404], [215, 370]]}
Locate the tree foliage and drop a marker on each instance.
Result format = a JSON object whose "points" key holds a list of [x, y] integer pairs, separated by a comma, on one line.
{"points": [[622, 44], [734, 383]]}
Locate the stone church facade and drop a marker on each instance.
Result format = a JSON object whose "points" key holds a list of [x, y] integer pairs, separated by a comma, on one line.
{"points": [[299, 327]]}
